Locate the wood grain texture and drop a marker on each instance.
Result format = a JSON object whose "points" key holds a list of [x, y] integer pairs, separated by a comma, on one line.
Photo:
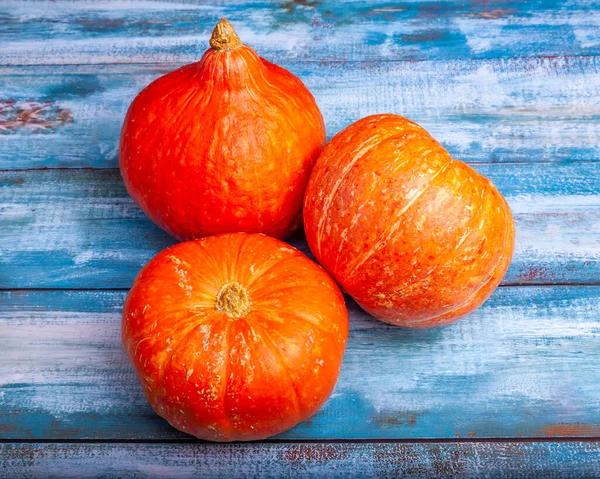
{"points": [[499, 110], [79, 229], [432, 460], [130, 31], [523, 365], [495, 81]]}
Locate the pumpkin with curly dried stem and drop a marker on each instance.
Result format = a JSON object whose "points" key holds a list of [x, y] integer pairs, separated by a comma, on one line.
{"points": [[223, 145]]}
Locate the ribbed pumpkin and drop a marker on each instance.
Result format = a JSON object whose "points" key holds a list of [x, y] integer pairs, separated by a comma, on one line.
{"points": [[417, 238], [235, 337], [222, 145]]}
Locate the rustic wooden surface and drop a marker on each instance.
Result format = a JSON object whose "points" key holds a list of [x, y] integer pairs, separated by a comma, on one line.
{"points": [[524, 365], [523, 110], [549, 460], [511, 87]]}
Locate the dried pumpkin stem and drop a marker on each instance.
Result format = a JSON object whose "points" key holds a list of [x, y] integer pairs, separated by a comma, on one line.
{"points": [[233, 300], [224, 37]]}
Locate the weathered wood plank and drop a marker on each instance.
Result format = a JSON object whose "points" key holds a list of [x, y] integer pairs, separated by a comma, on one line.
{"points": [[431, 460], [79, 228], [525, 110], [66, 32], [523, 365]]}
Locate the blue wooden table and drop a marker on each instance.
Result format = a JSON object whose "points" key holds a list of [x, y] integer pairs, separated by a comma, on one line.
{"points": [[512, 87]]}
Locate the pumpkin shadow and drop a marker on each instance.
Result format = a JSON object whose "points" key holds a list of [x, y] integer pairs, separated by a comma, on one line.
{"points": [[362, 321]]}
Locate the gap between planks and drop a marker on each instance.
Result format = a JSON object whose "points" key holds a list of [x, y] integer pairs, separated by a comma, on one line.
{"points": [[443, 440], [470, 163], [504, 285], [7, 68]]}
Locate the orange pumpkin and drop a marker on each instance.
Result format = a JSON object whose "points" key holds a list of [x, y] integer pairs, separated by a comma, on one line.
{"points": [[223, 145], [235, 337], [417, 238]]}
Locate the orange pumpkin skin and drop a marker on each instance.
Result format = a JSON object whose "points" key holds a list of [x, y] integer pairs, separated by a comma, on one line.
{"points": [[235, 337], [416, 238], [223, 145]]}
